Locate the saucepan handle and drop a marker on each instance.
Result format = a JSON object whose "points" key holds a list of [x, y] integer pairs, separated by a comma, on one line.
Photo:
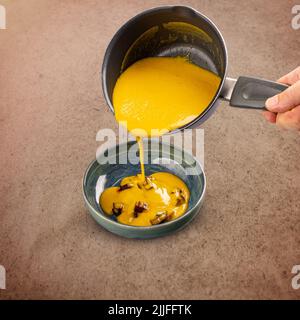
{"points": [[250, 93]]}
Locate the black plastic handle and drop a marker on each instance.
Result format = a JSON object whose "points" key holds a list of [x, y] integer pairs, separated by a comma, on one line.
{"points": [[252, 93]]}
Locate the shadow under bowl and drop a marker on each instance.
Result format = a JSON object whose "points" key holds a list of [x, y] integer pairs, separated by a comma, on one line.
{"points": [[121, 161]]}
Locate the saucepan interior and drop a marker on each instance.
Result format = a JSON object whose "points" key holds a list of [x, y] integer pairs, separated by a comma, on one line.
{"points": [[165, 31]]}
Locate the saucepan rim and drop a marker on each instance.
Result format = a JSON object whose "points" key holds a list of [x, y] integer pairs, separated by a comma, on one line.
{"points": [[122, 29]]}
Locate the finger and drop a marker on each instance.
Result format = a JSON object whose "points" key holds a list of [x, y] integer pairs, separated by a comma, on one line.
{"points": [[286, 100], [291, 77], [270, 116], [289, 119]]}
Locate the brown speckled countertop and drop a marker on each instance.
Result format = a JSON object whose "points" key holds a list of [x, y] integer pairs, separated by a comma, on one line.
{"points": [[247, 238]]}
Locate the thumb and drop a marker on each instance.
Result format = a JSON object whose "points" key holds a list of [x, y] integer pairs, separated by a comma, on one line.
{"points": [[286, 100]]}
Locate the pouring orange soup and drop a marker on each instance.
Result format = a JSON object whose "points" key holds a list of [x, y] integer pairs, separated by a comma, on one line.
{"points": [[154, 96]]}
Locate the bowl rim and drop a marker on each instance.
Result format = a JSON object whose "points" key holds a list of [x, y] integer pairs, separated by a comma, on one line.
{"points": [[102, 215]]}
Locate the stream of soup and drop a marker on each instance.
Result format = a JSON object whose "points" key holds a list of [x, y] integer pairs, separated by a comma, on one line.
{"points": [[154, 96]]}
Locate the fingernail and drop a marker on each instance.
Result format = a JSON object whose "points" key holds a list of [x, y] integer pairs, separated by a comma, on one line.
{"points": [[272, 102]]}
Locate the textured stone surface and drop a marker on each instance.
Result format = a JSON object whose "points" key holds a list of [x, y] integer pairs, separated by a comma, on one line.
{"points": [[246, 240]]}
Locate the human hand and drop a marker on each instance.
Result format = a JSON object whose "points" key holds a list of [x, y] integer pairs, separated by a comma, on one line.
{"points": [[284, 108]]}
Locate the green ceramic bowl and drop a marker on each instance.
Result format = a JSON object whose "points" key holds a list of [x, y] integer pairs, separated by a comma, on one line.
{"points": [[111, 167]]}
